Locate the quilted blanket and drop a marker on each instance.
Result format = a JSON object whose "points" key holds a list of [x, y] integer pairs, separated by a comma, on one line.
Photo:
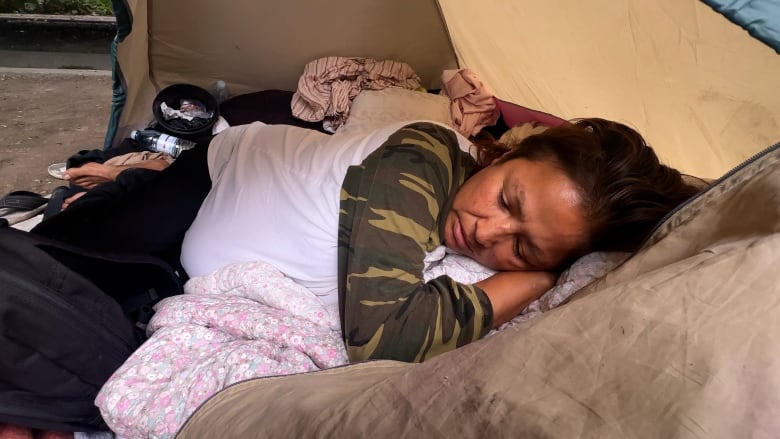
{"points": [[244, 321]]}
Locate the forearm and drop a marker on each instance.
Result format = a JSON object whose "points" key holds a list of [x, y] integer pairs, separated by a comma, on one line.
{"points": [[511, 292], [154, 165], [408, 322], [91, 174]]}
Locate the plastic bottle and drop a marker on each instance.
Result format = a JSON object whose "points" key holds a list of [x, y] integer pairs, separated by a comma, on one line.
{"points": [[159, 142], [220, 91]]}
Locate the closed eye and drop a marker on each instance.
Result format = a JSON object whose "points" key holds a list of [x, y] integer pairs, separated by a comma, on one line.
{"points": [[518, 250], [502, 201], [516, 247]]}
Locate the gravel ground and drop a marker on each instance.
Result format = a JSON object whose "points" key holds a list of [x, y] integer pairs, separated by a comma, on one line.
{"points": [[46, 116]]}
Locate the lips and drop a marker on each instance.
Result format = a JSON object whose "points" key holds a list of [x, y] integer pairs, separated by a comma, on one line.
{"points": [[460, 239]]}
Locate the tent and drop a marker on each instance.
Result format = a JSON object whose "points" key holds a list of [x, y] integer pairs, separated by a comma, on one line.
{"points": [[701, 88], [680, 341]]}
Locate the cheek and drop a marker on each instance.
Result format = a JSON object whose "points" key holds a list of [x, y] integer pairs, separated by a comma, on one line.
{"points": [[501, 257], [478, 192]]}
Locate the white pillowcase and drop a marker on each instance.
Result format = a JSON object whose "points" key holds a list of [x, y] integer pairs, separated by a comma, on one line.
{"points": [[371, 109]]}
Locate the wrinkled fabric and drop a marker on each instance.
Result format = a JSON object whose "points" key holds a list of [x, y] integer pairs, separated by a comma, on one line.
{"points": [[137, 157], [328, 85], [246, 320], [582, 273], [473, 106]]}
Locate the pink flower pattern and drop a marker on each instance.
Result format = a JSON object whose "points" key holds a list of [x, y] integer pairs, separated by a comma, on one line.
{"points": [[244, 321]]}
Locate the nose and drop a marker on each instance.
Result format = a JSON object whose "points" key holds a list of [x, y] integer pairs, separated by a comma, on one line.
{"points": [[490, 231]]}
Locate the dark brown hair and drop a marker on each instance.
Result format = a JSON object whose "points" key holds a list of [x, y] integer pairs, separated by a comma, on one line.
{"points": [[625, 189]]}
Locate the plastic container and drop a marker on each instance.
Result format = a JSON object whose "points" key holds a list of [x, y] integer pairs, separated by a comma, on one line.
{"points": [[173, 96], [160, 142], [221, 92]]}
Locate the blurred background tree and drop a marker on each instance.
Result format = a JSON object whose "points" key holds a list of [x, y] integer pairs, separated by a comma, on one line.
{"points": [[57, 7]]}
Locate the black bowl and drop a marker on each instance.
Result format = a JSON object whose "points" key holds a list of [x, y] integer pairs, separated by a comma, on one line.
{"points": [[172, 96]]}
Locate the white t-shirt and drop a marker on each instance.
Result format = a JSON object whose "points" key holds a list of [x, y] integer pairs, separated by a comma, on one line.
{"points": [[275, 198]]}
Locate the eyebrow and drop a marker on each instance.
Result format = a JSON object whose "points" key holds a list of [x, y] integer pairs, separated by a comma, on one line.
{"points": [[517, 195]]}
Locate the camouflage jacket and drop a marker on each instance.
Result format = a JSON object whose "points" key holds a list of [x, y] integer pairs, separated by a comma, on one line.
{"points": [[392, 210]]}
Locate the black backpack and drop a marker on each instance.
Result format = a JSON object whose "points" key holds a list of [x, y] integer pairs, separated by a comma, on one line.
{"points": [[68, 319]]}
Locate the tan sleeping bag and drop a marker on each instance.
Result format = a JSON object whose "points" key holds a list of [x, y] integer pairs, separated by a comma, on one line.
{"points": [[682, 341]]}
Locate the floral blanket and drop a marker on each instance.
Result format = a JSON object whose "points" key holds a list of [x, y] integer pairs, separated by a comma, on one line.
{"points": [[248, 320], [244, 321]]}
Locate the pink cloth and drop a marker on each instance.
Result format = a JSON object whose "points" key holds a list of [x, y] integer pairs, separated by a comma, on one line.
{"points": [[473, 106], [328, 85]]}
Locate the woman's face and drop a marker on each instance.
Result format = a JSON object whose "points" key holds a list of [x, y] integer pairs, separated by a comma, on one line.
{"points": [[518, 215]]}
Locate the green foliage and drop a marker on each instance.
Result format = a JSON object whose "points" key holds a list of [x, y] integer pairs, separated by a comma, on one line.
{"points": [[57, 7]]}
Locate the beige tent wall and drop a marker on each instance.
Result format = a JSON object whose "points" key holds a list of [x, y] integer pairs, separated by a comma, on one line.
{"points": [[258, 44], [705, 94]]}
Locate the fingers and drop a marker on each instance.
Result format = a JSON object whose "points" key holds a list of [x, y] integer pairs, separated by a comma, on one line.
{"points": [[88, 181], [67, 202], [89, 175], [90, 169]]}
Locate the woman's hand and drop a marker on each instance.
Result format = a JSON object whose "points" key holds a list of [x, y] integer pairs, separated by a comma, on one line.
{"points": [[511, 291]]}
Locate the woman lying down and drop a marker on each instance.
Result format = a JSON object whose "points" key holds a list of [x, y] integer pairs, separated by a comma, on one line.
{"points": [[351, 218]]}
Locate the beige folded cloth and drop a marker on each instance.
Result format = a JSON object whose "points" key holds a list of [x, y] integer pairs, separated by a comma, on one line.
{"points": [[473, 106], [136, 157]]}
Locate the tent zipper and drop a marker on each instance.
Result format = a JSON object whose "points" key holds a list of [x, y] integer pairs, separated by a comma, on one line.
{"points": [[711, 186]]}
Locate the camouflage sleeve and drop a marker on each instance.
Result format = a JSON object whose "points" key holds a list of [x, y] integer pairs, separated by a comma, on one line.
{"points": [[391, 207]]}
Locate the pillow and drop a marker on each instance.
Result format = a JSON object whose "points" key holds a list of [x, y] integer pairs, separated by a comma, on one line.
{"points": [[371, 109]]}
